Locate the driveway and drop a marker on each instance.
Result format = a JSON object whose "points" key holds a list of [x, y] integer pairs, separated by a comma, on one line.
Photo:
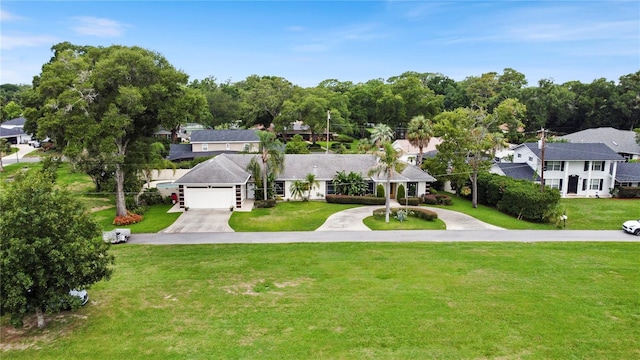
{"points": [[201, 221], [351, 220]]}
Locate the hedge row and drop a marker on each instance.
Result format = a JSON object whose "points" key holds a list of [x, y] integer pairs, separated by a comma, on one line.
{"points": [[418, 212], [264, 203], [437, 199], [519, 198], [364, 200], [627, 192], [413, 201]]}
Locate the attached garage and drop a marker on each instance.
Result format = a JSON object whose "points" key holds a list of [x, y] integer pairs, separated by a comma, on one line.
{"points": [[209, 197]]}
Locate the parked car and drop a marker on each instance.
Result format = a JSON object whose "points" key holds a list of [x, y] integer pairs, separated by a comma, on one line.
{"points": [[632, 227], [80, 294]]}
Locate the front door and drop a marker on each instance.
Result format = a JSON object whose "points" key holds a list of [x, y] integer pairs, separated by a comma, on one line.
{"points": [[573, 184]]}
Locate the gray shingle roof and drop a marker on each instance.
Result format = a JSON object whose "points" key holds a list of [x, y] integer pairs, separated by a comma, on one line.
{"points": [[620, 141], [15, 122], [198, 136], [296, 167], [574, 151], [518, 171], [628, 172], [7, 133], [183, 152]]}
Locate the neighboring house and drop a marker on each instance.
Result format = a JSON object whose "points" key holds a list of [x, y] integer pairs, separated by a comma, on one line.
{"points": [[213, 142], [628, 174], [13, 131], [622, 142], [224, 182], [304, 130], [576, 169], [410, 153]]}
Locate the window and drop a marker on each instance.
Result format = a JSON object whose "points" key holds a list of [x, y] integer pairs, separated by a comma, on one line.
{"points": [[519, 156], [330, 188], [205, 147], [371, 187], [595, 184], [530, 158], [597, 166], [553, 165], [554, 183], [228, 146], [279, 188], [412, 189]]}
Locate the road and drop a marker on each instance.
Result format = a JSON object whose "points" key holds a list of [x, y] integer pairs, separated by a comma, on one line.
{"points": [[523, 236]]}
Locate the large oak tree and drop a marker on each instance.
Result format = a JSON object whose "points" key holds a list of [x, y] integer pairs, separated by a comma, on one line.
{"points": [[102, 100]]}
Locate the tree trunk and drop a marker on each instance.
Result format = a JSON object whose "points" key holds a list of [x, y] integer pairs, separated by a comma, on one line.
{"points": [[420, 157], [474, 189], [264, 181], [387, 202], [40, 317], [121, 205]]}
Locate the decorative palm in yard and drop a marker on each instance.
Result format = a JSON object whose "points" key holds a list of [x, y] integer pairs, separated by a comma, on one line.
{"points": [[388, 163], [419, 134], [272, 160]]}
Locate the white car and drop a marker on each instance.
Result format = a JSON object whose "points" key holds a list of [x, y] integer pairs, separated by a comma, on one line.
{"points": [[632, 227]]}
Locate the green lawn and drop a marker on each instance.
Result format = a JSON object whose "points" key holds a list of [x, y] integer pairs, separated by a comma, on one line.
{"points": [[286, 216], [156, 218], [353, 301], [582, 213]]}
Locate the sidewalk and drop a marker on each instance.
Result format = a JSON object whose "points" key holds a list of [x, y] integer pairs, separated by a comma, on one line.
{"points": [[23, 150]]}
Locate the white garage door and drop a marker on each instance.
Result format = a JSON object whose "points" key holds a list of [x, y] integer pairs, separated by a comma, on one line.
{"points": [[209, 198]]}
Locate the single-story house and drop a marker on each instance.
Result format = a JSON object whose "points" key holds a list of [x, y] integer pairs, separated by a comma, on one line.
{"points": [[213, 142], [622, 142], [13, 131], [628, 174], [576, 169], [223, 182]]}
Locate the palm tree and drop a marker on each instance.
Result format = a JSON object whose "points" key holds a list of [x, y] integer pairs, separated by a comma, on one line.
{"points": [[298, 188], [272, 157], [388, 163], [381, 133], [419, 134], [312, 183]]}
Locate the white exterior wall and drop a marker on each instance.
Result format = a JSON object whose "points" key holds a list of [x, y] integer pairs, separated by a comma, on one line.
{"points": [[229, 146]]}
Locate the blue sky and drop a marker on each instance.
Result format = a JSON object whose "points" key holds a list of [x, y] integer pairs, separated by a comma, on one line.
{"points": [[307, 42]]}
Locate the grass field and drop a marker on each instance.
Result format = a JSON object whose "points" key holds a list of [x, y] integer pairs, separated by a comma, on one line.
{"points": [[353, 301]]}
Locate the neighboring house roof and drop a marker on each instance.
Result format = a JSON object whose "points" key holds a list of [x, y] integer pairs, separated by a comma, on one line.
{"points": [[406, 147], [573, 151], [628, 172], [620, 141], [8, 133], [208, 136], [183, 152], [518, 171], [296, 167], [14, 122]]}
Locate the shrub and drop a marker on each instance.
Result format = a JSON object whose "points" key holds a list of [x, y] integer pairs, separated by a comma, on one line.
{"points": [[128, 219], [525, 201], [344, 139], [264, 203], [363, 200], [380, 191], [153, 197], [400, 193], [418, 212], [413, 201], [437, 199], [627, 192]]}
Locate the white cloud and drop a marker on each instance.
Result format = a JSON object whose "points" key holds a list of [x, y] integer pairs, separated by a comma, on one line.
{"points": [[17, 41], [93, 26], [7, 16]]}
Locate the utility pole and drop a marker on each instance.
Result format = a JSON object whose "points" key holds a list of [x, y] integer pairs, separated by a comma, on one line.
{"points": [[542, 139], [328, 118]]}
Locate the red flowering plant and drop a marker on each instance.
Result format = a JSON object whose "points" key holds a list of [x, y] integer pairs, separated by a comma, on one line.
{"points": [[128, 219]]}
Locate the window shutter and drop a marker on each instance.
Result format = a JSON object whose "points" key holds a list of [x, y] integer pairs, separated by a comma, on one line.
{"points": [[584, 184], [560, 187], [602, 169], [601, 183], [561, 169], [586, 166]]}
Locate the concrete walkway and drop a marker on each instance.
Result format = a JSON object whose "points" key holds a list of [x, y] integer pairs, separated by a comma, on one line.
{"points": [[23, 150], [351, 220]]}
